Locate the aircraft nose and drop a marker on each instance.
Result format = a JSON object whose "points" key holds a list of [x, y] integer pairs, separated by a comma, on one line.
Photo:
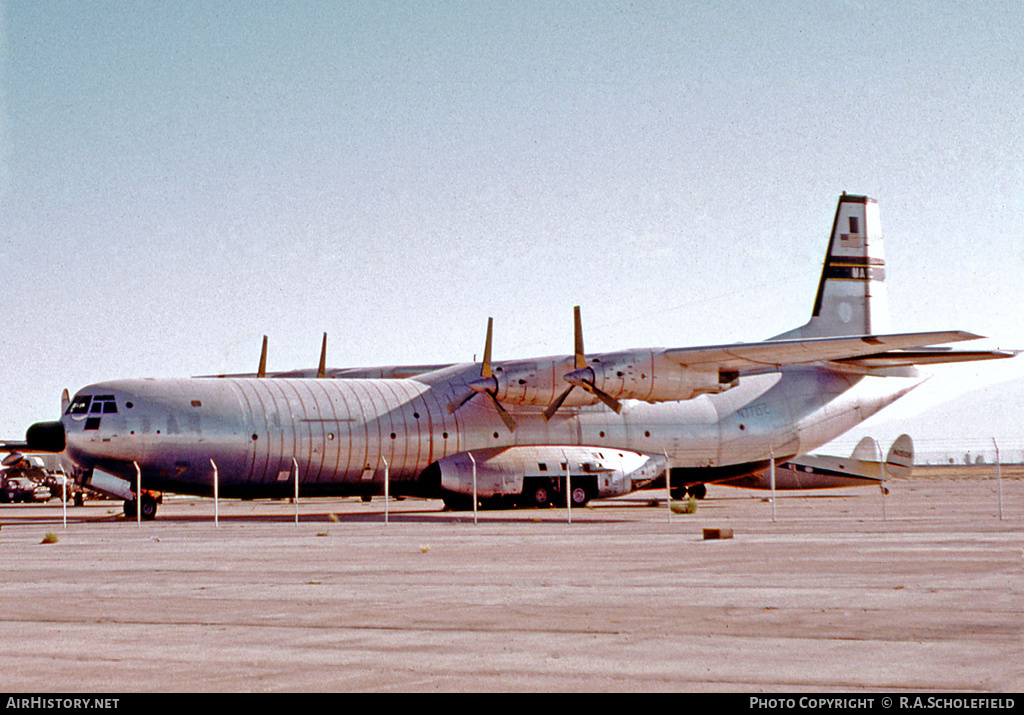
{"points": [[46, 437]]}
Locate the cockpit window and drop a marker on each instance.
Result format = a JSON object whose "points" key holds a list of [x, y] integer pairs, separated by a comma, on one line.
{"points": [[80, 406], [96, 405]]}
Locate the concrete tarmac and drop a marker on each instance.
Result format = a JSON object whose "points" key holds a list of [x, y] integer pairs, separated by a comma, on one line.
{"points": [[842, 592]]}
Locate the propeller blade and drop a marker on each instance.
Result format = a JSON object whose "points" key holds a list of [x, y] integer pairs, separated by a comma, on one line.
{"points": [[553, 407], [322, 370], [485, 369], [262, 372], [585, 378], [460, 401], [505, 416], [580, 360], [487, 384], [607, 399]]}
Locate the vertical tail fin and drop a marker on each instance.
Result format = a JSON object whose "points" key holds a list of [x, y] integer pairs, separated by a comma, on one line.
{"points": [[900, 460], [867, 450], [851, 297]]}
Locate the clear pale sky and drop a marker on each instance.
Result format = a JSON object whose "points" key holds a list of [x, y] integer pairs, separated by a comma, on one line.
{"points": [[178, 179]]}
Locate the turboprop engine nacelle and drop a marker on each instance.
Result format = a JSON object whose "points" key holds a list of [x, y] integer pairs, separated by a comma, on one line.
{"points": [[633, 375], [649, 376], [515, 471]]}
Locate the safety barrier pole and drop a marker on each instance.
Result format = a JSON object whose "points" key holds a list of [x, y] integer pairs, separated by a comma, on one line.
{"points": [[387, 488], [216, 494], [568, 492], [668, 486], [138, 494], [771, 472], [471, 459], [882, 484], [999, 479], [295, 465], [64, 493]]}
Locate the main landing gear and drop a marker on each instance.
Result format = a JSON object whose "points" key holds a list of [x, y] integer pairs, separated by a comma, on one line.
{"points": [[697, 491], [149, 503]]}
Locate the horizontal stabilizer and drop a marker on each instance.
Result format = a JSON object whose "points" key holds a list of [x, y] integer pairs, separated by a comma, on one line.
{"points": [[933, 356], [780, 353]]}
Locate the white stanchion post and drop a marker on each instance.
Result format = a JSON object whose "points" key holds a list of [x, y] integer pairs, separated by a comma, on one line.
{"points": [[64, 494], [387, 488], [216, 494], [295, 466], [882, 485], [568, 492], [999, 478], [471, 459], [771, 471], [668, 486], [138, 494]]}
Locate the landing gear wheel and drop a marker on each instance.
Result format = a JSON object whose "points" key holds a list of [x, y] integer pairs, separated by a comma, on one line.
{"points": [[698, 491], [579, 497], [541, 496], [148, 507]]}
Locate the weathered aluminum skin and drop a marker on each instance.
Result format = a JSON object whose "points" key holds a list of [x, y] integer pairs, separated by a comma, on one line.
{"points": [[341, 434]]}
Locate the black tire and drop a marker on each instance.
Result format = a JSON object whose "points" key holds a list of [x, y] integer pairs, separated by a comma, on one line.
{"points": [[129, 508], [148, 507], [579, 497], [541, 496], [698, 491]]}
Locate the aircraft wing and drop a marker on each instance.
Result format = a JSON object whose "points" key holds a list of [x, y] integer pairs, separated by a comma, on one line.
{"points": [[882, 350]]}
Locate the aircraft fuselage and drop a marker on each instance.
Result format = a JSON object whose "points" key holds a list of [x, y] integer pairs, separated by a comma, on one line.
{"points": [[341, 435]]}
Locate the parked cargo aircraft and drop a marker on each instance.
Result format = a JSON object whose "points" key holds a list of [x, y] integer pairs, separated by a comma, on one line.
{"points": [[821, 471], [606, 423]]}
